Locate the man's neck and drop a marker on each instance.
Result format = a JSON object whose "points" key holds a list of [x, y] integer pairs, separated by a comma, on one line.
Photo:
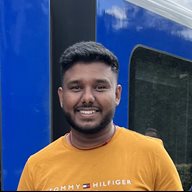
{"points": [[91, 141]]}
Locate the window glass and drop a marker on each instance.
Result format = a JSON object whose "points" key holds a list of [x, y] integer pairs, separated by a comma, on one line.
{"points": [[161, 103]]}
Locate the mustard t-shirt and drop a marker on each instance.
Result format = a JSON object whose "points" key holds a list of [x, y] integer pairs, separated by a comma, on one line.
{"points": [[130, 161]]}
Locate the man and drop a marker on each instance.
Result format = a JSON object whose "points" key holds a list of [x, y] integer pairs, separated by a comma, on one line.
{"points": [[97, 154], [152, 132]]}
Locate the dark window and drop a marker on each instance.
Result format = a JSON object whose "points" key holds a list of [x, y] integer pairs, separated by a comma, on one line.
{"points": [[161, 99]]}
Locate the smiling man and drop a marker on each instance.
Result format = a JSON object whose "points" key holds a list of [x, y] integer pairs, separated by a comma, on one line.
{"points": [[97, 154], [89, 97]]}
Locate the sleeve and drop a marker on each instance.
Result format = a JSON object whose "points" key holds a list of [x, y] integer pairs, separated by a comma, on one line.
{"points": [[26, 181], [167, 177]]}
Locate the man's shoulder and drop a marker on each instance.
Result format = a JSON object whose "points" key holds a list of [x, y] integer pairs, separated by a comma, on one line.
{"points": [[47, 152], [138, 138]]}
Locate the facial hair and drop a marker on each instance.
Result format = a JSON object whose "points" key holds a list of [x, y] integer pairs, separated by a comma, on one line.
{"points": [[90, 129]]}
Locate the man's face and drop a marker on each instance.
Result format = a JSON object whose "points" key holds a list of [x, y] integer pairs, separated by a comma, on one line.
{"points": [[89, 96]]}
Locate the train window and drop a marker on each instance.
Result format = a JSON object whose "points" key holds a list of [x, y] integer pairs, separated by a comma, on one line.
{"points": [[161, 101]]}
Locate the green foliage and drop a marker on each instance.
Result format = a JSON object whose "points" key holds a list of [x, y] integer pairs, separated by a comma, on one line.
{"points": [[185, 172]]}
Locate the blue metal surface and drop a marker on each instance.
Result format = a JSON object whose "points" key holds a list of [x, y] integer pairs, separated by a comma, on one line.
{"points": [[121, 26], [25, 84]]}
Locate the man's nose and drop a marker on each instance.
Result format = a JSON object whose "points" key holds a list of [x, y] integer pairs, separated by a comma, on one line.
{"points": [[88, 96]]}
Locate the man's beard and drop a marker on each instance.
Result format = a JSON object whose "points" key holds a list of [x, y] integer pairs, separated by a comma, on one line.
{"points": [[90, 129]]}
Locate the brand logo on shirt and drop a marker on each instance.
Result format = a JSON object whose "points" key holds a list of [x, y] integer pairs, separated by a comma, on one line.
{"points": [[92, 186], [86, 185]]}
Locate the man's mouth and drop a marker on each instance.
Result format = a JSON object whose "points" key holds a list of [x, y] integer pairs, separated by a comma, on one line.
{"points": [[87, 111]]}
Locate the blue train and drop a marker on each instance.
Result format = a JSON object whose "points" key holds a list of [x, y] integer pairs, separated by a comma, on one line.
{"points": [[151, 38]]}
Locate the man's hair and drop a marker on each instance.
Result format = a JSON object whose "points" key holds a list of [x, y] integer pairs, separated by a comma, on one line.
{"points": [[87, 52]]}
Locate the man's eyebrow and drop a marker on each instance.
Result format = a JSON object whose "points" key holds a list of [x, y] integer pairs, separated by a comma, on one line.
{"points": [[73, 82], [102, 81]]}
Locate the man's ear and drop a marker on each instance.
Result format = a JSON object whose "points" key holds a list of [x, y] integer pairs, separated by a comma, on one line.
{"points": [[60, 94], [118, 94]]}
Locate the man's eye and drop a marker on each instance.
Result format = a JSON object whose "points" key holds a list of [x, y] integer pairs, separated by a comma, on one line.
{"points": [[75, 88], [101, 87]]}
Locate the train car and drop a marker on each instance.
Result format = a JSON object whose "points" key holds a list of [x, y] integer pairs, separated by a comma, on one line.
{"points": [[153, 42]]}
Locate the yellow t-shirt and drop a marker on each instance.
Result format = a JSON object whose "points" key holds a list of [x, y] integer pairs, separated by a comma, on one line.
{"points": [[130, 161]]}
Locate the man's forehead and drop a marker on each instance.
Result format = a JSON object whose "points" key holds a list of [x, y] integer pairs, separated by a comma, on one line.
{"points": [[95, 71], [90, 65]]}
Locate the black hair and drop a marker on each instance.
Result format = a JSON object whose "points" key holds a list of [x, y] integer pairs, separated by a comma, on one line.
{"points": [[87, 51]]}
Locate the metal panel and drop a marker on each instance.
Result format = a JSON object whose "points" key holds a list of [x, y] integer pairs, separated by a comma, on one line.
{"points": [[121, 26], [25, 84]]}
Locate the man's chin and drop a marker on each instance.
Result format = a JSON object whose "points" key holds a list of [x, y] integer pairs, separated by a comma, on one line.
{"points": [[87, 128]]}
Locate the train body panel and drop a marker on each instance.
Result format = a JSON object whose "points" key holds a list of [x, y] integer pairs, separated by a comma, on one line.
{"points": [[122, 26], [25, 84]]}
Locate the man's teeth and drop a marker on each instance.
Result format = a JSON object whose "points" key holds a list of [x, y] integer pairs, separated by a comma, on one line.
{"points": [[87, 112]]}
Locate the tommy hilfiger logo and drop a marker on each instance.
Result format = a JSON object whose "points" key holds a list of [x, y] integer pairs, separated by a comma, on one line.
{"points": [[93, 185], [86, 185]]}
